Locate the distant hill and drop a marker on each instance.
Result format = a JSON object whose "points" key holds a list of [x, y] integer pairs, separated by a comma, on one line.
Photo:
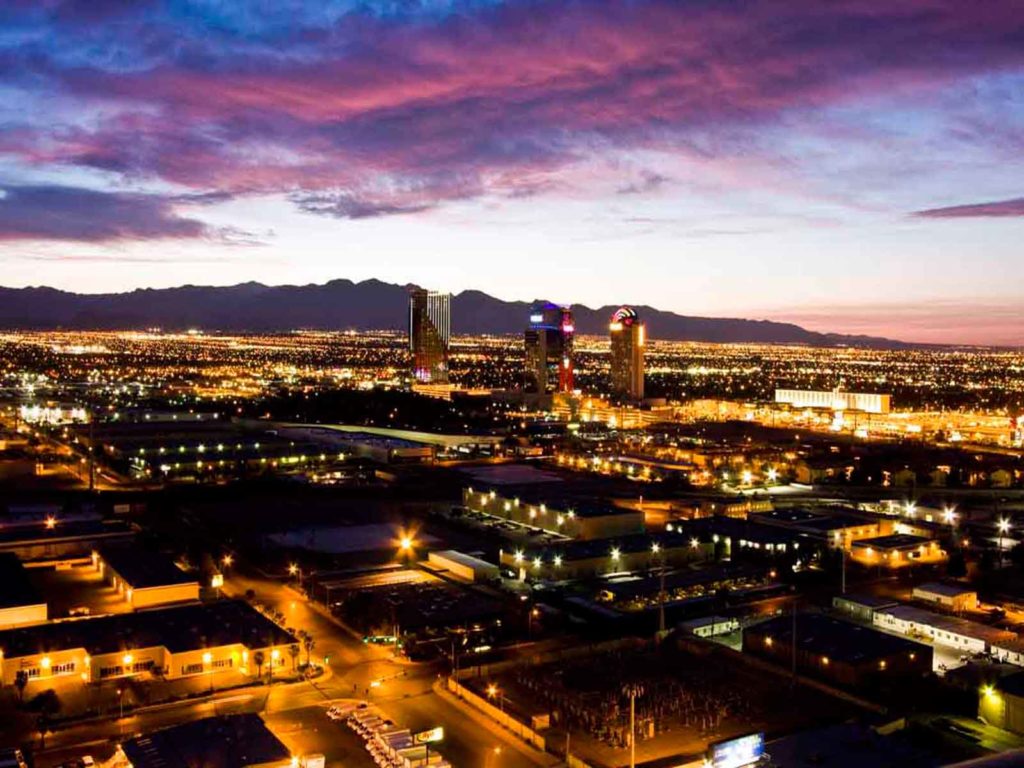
{"points": [[342, 304]]}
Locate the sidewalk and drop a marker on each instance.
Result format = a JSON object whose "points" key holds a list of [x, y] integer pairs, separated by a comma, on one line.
{"points": [[542, 759]]}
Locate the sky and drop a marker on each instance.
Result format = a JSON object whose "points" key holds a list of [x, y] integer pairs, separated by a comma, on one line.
{"points": [[850, 165]]}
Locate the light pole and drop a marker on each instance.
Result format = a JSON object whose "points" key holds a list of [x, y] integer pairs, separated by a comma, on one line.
{"points": [[656, 555], [632, 690], [1003, 526]]}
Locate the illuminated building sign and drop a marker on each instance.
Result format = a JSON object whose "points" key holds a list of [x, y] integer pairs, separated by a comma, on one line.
{"points": [[428, 737], [537, 318], [736, 753]]}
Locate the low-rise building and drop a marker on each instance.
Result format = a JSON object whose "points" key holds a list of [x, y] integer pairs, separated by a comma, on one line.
{"points": [[20, 602], [898, 550], [570, 518], [465, 567], [583, 559], [172, 642], [1002, 703], [965, 636], [955, 597], [837, 651], [861, 607], [228, 741], [145, 578]]}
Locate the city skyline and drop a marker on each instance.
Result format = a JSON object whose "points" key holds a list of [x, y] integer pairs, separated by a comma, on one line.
{"points": [[849, 167]]}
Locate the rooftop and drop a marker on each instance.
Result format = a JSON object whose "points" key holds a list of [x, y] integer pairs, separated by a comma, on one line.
{"points": [[17, 590], [893, 541], [228, 741], [945, 589], [142, 568], [180, 628], [868, 601], [950, 624], [836, 639]]}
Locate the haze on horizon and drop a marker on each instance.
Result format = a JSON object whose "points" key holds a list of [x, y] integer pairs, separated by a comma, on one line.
{"points": [[846, 165]]}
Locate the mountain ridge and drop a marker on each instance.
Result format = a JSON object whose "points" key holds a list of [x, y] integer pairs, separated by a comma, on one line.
{"points": [[366, 305]]}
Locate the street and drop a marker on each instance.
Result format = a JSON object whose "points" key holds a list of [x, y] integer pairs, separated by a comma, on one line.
{"points": [[296, 711]]}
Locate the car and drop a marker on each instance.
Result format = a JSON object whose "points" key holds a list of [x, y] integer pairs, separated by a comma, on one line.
{"points": [[79, 610]]}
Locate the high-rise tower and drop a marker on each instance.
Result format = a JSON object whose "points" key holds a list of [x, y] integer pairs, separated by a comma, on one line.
{"points": [[549, 349], [628, 337], [430, 330]]}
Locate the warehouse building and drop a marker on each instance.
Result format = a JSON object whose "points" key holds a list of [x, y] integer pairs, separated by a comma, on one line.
{"points": [[173, 642], [20, 603], [1002, 704], [145, 578], [954, 597], [861, 607], [965, 636], [584, 559], [572, 518], [464, 567], [228, 741], [56, 538], [837, 651], [899, 550]]}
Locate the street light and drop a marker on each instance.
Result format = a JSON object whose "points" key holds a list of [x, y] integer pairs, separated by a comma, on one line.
{"points": [[227, 560], [632, 690], [493, 691], [1004, 526], [208, 663]]}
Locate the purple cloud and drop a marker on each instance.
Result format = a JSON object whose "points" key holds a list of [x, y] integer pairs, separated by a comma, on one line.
{"points": [[996, 209], [72, 213], [506, 97]]}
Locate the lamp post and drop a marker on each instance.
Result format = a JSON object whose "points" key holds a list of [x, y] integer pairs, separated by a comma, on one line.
{"points": [[632, 690], [494, 692], [1003, 526]]}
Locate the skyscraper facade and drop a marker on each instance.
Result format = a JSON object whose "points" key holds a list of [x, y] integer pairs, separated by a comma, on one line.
{"points": [[430, 330], [628, 337], [548, 340]]}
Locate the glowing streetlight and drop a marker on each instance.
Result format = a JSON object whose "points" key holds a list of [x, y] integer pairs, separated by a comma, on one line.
{"points": [[773, 475], [655, 548], [293, 569], [51, 522], [405, 543], [227, 560], [949, 515], [616, 553]]}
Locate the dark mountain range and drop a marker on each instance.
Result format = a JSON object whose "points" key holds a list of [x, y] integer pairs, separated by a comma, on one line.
{"points": [[342, 304]]}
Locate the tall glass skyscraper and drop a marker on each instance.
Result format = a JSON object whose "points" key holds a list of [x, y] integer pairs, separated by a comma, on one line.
{"points": [[548, 341], [430, 331], [628, 338]]}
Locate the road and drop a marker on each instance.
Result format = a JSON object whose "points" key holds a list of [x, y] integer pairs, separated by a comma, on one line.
{"points": [[402, 690]]}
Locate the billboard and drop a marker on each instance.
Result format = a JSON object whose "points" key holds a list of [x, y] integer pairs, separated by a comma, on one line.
{"points": [[736, 753]]}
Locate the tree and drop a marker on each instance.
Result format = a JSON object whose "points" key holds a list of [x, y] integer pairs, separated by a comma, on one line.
{"points": [[957, 566], [258, 658], [293, 651], [308, 643], [47, 704], [20, 682]]}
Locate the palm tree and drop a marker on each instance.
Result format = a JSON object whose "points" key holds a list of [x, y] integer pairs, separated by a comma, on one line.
{"points": [[20, 681], [308, 643], [293, 651], [258, 658]]}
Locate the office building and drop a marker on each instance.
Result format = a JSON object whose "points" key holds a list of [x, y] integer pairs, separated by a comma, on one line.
{"points": [[836, 400], [171, 642], [430, 330], [549, 339], [628, 337], [145, 579]]}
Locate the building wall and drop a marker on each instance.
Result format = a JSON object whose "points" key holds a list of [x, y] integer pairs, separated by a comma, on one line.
{"points": [[898, 558], [562, 521], [76, 663], [175, 593], [22, 614], [938, 635], [965, 601]]}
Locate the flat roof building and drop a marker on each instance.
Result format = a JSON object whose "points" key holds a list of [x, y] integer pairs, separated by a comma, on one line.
{"points": [[172, 642], [955, 597], [228, 741], [836, 400], [573, 518], [838, 651], [897, 550], [861, 607], [965, 636], [145, 578], [56, 538], [464, 567], [20, 602]]}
